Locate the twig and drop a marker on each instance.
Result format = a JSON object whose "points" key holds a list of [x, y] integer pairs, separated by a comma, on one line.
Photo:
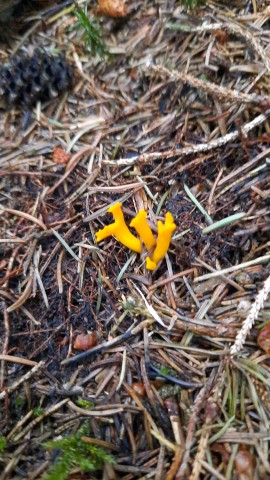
{"points": [[18, 213], [110, 344], [252, 316], [23, 361], [39, 419], [197, 406], [22, 379], [234, 268], [208, 87], [180, 152]]}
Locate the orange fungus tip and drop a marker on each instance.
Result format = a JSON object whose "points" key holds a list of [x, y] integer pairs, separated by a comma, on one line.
{"points": [[139, 223], [165, 231], [119, 230]]}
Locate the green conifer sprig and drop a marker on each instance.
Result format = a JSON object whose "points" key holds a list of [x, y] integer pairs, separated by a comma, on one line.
{"points": [[92, 35]]}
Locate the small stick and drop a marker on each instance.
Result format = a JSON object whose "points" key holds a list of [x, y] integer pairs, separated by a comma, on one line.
{"points": [[252, 316], [109, 343], [193, 149], [22, 379], [208, 87]]}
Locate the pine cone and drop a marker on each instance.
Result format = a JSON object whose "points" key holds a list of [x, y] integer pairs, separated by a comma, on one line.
{"points": [[9, 8], [6, 9], [27, 80]]}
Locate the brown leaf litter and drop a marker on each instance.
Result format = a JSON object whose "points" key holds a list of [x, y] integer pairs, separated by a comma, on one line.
{"points": [[176, 119]]}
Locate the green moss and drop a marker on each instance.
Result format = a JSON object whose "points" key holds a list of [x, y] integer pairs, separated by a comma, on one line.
{"points": [[85, 403], [38, 411], [3, 443], [165, 371], [19, 401], [76, 453]]}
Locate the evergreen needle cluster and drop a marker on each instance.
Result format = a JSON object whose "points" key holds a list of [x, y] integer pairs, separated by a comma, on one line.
{"points": [[91, 32]]}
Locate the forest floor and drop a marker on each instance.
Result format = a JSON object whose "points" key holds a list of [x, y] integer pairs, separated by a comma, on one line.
{"points": [[168, 380]]}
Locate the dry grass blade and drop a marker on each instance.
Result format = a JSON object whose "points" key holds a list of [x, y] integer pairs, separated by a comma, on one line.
{"points": [[198, 205], [223, 223], [67, 247]]}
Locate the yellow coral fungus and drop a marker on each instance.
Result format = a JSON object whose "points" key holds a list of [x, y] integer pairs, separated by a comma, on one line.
{"points": [[142, 228], [119, 230], [165, 231]]}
